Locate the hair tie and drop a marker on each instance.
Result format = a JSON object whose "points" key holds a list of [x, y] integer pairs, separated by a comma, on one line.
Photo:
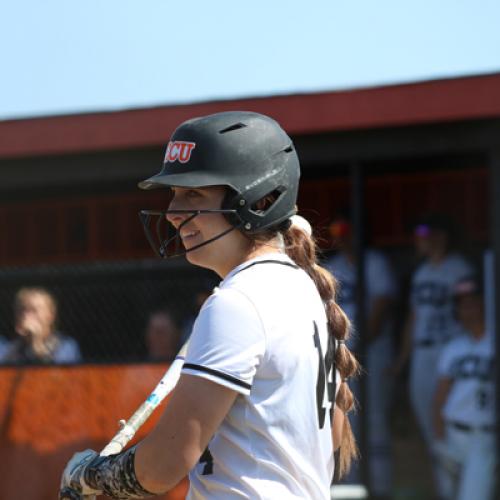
{"points": [[341, 342]]}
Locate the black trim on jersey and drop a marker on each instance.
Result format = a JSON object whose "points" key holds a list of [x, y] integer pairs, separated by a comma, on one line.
{"points": [[269, 261], [216, 373]]}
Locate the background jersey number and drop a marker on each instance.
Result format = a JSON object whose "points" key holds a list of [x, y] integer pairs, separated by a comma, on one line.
{"points": [[325, 364]]}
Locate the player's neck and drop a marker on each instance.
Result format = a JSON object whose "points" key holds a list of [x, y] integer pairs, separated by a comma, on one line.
{"points": [[262, 248], [273, 246]]}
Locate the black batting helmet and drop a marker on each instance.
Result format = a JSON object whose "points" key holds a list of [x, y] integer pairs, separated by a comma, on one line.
{"points": [[247, 152]]}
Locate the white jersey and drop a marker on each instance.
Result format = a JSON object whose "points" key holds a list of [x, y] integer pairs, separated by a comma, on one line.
{"points": [[263, 333], [431, 299], [379, 281], [470, 364]]}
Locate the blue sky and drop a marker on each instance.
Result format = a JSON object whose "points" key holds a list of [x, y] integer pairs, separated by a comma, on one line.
{"points": [[69, 56]]}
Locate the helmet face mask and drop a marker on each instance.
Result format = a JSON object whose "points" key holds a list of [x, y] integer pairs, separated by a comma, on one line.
{"points": [[248, 153], [165, 239]]}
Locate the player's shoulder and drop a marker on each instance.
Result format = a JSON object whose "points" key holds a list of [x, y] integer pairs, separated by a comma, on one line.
{"points": [[451, 265], [222, 311], [225, 298]]}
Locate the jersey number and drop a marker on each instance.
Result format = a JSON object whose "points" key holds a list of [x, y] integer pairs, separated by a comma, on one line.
{"points": [[325, 365], [207, 459]]}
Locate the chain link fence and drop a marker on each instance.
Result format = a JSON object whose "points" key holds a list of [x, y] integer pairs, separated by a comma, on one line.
{"points": [[106, 307]]}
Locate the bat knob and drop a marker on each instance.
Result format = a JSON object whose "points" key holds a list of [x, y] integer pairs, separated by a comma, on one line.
{"points": [[122, 423]]}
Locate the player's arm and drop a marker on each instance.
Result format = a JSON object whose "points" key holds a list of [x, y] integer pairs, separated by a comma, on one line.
{"points": [[198, 405], [405, 348], [440, 397], [196, 409], [192, 416]]}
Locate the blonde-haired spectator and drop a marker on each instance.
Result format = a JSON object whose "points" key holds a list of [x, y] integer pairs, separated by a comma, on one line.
{"points": [[35, 323]]}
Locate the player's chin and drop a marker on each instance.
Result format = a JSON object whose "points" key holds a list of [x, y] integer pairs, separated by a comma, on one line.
{"points": [[195, 256]]}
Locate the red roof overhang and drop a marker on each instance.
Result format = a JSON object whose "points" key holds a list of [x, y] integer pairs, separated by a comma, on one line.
{"points": [[465, 98]]}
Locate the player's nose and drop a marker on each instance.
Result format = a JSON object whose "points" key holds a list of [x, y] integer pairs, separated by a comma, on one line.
{"points": [[176, 219]]}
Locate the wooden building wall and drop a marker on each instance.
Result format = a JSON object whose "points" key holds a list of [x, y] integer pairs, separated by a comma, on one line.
{"points": [[80, 228]]}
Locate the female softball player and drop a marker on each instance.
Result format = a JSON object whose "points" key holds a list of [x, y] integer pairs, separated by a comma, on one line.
{"points": [[261, 402]]}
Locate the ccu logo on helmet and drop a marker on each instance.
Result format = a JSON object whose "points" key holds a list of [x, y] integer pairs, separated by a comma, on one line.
{"points": [[179, 151]]}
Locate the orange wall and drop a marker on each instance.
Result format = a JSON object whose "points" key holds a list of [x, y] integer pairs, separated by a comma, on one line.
{"points": [[48, 413]]}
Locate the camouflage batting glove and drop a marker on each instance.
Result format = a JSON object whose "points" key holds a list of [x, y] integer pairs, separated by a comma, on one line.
{"points": [[88, 473], [73, 478]]}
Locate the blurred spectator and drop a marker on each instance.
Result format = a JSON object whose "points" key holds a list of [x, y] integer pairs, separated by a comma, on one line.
{"points": [[380, 290], [35, 323], [430, 323], [162, 336], [464, 411], [3, 347]]}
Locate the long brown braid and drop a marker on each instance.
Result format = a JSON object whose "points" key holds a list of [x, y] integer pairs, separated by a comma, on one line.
{"points": [[302, 249]]}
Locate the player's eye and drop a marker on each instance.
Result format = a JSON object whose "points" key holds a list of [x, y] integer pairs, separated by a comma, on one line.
{"points": [[193, 193]]}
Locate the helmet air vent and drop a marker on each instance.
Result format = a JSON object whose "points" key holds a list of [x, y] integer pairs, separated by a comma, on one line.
{"points": [[263, 205], [235, 126]]}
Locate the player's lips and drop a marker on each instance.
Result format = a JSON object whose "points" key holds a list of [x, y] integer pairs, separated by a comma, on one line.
{"points": [[188, 235]]}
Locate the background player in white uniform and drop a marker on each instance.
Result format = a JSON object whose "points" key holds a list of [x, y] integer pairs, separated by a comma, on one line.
{"points": [[380, 290], [464, 411], [431, 322], [252, 414]]}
